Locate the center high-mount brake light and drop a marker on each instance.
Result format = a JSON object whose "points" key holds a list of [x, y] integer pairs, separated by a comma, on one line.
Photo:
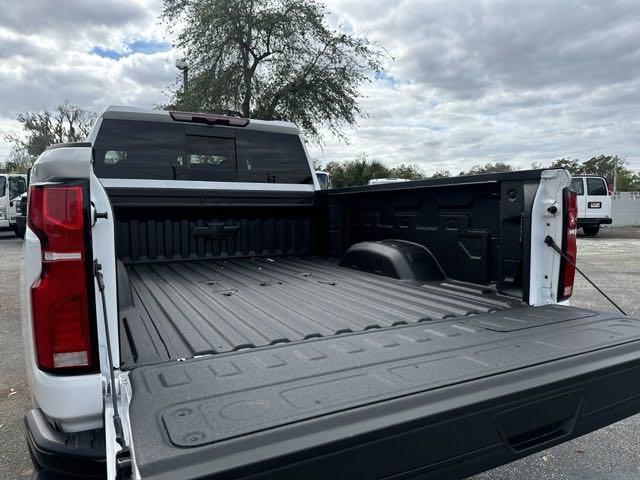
{"points": [[60, 297], [569, 244], [209, 119]]}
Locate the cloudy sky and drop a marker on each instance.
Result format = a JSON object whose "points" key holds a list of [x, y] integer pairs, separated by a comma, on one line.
{"points": [[471, 81]]}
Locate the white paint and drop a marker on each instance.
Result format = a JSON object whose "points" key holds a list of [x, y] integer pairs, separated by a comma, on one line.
{"points": [[198, 185], [545, 262], [104, 250], [112, 447], [73, 402]]}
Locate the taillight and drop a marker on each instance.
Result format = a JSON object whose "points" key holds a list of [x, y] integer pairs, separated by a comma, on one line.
{"points": [[569, 244], [60, 297]]}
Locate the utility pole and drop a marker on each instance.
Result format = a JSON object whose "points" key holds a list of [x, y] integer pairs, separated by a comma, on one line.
{"points": [[615, 174]]}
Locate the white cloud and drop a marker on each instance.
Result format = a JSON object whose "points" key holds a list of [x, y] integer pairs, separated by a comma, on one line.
{"points": [[472, 81]]}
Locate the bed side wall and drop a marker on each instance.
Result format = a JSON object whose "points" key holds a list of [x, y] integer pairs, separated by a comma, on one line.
{"points": [[478, 230]]}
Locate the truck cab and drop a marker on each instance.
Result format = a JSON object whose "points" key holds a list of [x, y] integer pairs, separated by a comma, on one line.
{"points": [[12, 186], [594, 203]]}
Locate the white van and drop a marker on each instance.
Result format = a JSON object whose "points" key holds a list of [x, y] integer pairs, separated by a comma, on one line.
{"points": [[594, 203], [12, 186]]}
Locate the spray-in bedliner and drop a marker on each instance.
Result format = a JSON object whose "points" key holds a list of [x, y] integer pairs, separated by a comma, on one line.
{"points": [[184, 309]]}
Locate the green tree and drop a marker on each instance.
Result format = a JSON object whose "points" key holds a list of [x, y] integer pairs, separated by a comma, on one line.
{"points": [[19, 161], [271, 60], [408, 172], [356, 172], [441, 174], [496, 167], [606, 165], [67, 123], [570, 164]]}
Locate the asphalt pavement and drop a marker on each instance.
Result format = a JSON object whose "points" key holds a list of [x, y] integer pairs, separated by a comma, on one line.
{"points": [[612, 260], [14, 392]]}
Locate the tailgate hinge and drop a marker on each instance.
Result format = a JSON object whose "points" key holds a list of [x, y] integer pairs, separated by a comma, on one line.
{"points": [[123, 464]]}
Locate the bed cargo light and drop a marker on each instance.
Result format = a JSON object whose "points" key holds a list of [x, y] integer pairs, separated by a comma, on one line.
{"points": [[209, 119]]}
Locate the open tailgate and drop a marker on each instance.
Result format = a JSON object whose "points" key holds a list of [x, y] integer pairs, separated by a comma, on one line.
{"points": [[437, 399]]}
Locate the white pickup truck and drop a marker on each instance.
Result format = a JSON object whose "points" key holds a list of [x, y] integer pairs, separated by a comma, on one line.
{"points": [[198, 307]]}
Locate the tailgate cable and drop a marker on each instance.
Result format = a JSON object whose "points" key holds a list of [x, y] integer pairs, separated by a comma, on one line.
{"points": [[117, 421], [549, 241]]}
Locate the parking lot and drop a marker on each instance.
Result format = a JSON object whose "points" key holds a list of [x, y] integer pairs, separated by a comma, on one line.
{"points": [[612, 260]]}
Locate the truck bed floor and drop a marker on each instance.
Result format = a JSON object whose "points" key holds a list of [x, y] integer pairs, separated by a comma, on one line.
{"points": [[184, 309]]}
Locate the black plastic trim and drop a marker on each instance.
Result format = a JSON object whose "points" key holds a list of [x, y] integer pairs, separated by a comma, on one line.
{"points": [[444, 182], [172, 197], [594, 221], [59, 455]]}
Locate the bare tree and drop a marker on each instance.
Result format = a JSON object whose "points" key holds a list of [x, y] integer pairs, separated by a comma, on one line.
{"points": [[67, 123]]}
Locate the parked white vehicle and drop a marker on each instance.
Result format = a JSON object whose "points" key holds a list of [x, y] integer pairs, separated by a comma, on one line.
{"points": [[594, 203], [12, 186], [380, 181], [198, 307]]}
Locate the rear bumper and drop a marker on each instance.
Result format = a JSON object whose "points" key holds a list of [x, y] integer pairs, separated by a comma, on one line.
{"points": [[58, 455], [594, 221]]}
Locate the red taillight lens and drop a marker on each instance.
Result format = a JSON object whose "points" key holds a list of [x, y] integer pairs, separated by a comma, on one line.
{"points": [[569, 245], [60, 298]]}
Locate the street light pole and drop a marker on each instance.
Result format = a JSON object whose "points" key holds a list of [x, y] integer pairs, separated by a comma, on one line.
{"points": [[184, 67], [185, 79]]}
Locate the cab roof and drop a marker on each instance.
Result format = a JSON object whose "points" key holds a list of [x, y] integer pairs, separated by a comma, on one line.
{"points": [[118, 112]]}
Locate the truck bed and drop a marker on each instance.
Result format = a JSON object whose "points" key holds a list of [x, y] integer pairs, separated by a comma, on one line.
{"points": [[185, 309], [295, 368]]}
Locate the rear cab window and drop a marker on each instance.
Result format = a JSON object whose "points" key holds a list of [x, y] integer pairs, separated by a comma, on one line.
{"points": [[3, 186], [596, 186], [175, 151]]}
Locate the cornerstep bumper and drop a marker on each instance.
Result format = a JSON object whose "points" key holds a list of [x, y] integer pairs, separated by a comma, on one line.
{"points": [[58, 455]]}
